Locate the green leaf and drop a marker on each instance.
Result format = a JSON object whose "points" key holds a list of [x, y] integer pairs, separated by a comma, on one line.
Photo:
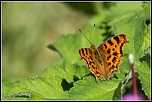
{"points": [[67, 50], [51, 85], [89, 89], [40, 88], [123, 10], [144, 75]]}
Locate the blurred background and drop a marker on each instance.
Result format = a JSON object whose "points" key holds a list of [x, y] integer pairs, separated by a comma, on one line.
{"points": [[29, 27]]}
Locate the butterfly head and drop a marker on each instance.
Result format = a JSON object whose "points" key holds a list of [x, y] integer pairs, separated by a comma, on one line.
{"points": [[93, 46]]}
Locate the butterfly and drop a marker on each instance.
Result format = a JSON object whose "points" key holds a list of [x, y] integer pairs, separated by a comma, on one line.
{"points": [[104, 61]]}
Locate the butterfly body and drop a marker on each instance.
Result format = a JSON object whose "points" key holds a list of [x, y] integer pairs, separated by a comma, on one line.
{"points": [[103, 61]]}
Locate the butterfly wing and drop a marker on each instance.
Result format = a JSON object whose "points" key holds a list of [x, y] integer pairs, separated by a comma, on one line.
{"points": [[86, 54], [112, 51]]}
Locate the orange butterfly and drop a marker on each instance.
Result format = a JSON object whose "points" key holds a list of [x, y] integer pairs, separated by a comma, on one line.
{"points": [[104, 60]]}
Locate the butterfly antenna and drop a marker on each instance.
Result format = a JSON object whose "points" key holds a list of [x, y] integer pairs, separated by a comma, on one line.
{"points": [[85, 36], [93, 34]]}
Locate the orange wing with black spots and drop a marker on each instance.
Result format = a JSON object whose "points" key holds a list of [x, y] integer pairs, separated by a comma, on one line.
{"points": [[112, 49], [86, 54]]}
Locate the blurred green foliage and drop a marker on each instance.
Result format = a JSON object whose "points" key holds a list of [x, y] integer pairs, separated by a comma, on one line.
{"points": [[27, 29]]}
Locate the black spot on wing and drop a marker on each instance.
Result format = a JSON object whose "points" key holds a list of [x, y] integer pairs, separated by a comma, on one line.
{"points": [[110, 42], [115, 53], [114, 60], [117, 39], [82, 50], [108, 51], [91, 58], [93, 66], [121, 49], [90, 62], [122, 35], [109, 64], [97, 72], [86, 51], [105, 46], [108, 57]]}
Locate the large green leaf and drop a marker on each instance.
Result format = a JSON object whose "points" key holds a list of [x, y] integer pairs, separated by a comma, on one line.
{"points": [[53, 84]]}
